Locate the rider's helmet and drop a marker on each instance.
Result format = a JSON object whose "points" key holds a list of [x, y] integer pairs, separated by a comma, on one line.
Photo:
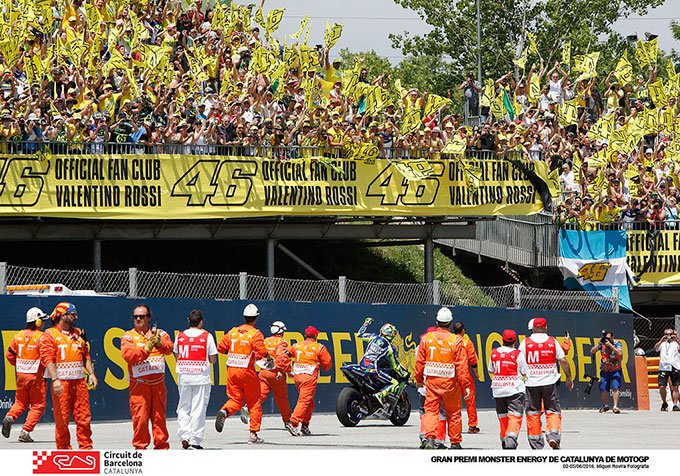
{"points": [[388, 331]]}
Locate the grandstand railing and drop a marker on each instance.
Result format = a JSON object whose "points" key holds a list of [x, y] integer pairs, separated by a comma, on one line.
{"points": [[136, 283], [46, 149], [528, 241], [633, 226]]}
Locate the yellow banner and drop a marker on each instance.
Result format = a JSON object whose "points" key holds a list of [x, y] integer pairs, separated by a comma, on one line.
{"points": [[202, 187], [664, 267]]}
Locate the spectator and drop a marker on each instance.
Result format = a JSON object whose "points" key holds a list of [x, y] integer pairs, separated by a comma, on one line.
{"points": [[669, 368], [611, 353]]}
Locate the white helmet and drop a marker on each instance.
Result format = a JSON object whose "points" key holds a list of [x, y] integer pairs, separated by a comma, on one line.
{"points": [[278, 327], [530, 324], [33, 314], [251, 310], [444, 315]]}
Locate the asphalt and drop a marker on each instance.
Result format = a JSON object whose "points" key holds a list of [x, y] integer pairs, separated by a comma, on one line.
{"points": [[581, 429]]}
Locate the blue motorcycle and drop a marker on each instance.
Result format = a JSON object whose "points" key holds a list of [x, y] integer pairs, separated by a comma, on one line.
{"points": [[357, 402]]}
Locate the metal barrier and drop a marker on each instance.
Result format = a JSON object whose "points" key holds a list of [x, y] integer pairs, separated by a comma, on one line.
{"points": [[650, 329], [135, 283], [530, 241], [631, 225], [44, 150]]}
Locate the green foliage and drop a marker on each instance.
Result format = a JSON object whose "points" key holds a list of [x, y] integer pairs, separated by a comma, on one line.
{"points": [[504, 24]]}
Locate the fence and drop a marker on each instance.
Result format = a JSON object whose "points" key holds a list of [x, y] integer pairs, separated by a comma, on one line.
{"points": [[46, 149], [136, 283], [650, 329], [530, 241]]}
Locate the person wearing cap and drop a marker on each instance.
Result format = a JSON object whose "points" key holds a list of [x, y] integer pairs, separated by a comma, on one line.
{"points": [[542, 353], [440, 437], [273, 372], [195, 350], [65, 352], [24, 354], [508, 368], [471, 355], [144, 348], [442, 368], [309, 355], [243, 345]]}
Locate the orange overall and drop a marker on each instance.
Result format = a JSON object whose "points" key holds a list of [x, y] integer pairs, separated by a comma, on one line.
{"points": [[471, 403], [148, 395], [69, 351], [441, 358], [24, 354], [276, 347], [241, 344], [309, 355]]}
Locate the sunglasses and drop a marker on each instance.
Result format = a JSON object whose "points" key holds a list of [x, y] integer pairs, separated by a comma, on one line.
{"points": [[140, 316]]}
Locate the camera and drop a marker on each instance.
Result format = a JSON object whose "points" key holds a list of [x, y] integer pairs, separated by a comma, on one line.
{"points": [[604, 339]]}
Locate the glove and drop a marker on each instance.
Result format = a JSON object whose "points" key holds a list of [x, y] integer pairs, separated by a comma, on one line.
{"points": [[156, 340], [149, 345], [368, 321]]}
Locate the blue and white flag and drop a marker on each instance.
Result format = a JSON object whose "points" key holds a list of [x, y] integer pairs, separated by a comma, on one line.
{"points": [[596, 261]]}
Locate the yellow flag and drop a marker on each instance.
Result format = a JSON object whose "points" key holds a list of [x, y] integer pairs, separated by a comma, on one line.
{"points": [[332, 35], [598, 160], [401, 91], [413, 170], [652, 48], [435, 103], [456, 145], [642, 55], [602, 128], [411, 121], [534, 89], [274, 20], [303, 25], [521, 62], [651, 121], [487, 93], [568, 112], [566, 53], [554, 183], [533, 48], [497, 107], [666, 120], [658, 93], [586, 65], [259, 18], [624, 70]]}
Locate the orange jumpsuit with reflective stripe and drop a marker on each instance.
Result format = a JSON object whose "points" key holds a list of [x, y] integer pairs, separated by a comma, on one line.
{"points": [[276, 348], [309, 355], [69, 351], [148, 395], [243, 345], [24, 354], [471, 403], [442, 365]]}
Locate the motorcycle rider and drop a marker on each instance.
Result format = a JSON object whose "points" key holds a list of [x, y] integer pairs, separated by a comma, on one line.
{"points": [[379, 360]]}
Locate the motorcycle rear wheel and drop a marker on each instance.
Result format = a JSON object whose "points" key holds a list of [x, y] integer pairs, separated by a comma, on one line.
{"points": [[347, 406]]}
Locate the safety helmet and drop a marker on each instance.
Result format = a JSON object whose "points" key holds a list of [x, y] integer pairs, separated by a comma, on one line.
{"points": [[311, 331], [251, 310], [278, 327], [61, 309], [35, 315], [530, 324], [388, 331], [444, 315]]}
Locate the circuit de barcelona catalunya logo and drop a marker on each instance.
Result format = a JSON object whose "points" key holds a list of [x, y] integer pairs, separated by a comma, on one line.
{"points": [[66, 462]]}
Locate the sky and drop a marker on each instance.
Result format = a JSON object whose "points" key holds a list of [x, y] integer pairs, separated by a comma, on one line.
{"points": [[367, 23]]}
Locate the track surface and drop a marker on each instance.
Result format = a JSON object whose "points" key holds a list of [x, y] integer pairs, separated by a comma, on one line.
{"points": [[582, 429]]}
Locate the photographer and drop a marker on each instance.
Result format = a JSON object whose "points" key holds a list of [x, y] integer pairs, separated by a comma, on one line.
{"points": [[669, 366], [611, 352]]}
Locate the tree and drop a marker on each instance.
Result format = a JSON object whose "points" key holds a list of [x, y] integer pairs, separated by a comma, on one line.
{"points": [[504, 26]]}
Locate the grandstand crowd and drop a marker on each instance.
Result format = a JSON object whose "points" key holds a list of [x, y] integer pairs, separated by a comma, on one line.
{"points": [[171, 76]]}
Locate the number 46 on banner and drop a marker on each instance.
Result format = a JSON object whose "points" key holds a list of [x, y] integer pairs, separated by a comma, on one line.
{"points": [[594, 272], [395, 188]]}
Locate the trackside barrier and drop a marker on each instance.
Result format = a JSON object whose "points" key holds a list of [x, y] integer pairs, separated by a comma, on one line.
{"points": [[642, 382], [106, 319]]}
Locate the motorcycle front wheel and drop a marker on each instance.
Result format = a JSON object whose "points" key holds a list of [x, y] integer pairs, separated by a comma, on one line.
{"points": [[402, 411], [347, 406]]}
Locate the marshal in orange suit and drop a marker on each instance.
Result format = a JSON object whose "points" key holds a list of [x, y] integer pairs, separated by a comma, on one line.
{"points": [[243, 345], [309, 355], [24, 354], [442, 366], [273, 375], [144, 349]]}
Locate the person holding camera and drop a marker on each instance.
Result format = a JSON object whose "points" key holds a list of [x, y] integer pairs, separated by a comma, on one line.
{"points": [[611, 353], [669, 367]]}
